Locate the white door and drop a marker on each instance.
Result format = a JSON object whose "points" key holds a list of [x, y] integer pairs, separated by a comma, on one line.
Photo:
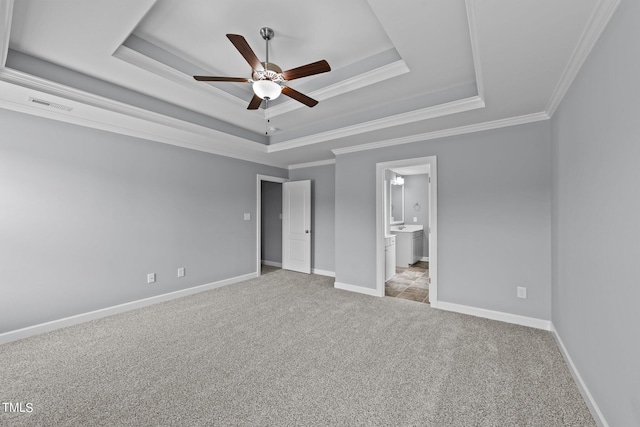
{"points": [[296, 226]]}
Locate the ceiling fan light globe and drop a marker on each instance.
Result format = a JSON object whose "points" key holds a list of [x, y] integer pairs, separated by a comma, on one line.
{"points": [[266, 89]]}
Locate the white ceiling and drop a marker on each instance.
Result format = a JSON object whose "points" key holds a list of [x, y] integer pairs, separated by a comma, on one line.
{"points": [[401, 72]]}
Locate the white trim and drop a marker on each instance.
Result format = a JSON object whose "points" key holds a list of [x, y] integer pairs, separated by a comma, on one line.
{"points": [[6, 14], [590, 36], [323, 272], [116, 117], [272, 263], [36, 83], [448, 108], [424, 258], [385, 72], [357, 289], [582, 386], [515, 319], [120, 308], [259, 179], [478, 127], [475, 50], [312, 164]]}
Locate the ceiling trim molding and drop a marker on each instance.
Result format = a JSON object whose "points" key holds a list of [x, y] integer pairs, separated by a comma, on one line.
{"points": [[312, 164], [376, 75], [6, 13], [150, 131], [475, 50], [478, 127], [453, 107], [597, 23], [46, 86], [140, 60]]}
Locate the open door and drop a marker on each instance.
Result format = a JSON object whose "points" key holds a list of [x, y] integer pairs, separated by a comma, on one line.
{"points": [[296, 226]]}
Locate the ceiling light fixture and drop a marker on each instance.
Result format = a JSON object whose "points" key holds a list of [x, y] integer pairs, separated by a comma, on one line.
{"points": [[265, 84], [267, 89]]}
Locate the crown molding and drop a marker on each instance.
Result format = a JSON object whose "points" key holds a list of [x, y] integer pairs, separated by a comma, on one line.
{"points": [[109, 115], [453, 107], [39, 84], [592, 32], [313, 164], [475, 50], [478, 127], [6, 13], [379, 74]]}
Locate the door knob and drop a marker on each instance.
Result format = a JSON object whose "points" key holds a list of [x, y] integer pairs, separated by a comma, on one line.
{"points": [[306, 231]]}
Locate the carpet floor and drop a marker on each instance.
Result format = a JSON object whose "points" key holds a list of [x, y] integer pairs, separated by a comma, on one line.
{"points": [[287, 349]]}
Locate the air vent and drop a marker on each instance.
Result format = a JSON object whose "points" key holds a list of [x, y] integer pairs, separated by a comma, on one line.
{"points": [[50, 104]]}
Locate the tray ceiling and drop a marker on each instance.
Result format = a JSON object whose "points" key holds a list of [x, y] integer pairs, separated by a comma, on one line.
{"points": [[398, 73]]}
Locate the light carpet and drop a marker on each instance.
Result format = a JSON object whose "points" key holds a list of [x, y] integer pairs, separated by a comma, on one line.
{"points": [[287, 349]]}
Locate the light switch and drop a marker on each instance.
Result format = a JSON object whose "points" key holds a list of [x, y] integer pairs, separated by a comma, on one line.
{"points": [[247, 216], [415, 219]]}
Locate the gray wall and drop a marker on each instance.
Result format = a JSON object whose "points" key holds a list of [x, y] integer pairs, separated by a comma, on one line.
{"points": [[494, 195], [323, 190], [86, 214], [271, 222], [416, 190], [596, 219]]}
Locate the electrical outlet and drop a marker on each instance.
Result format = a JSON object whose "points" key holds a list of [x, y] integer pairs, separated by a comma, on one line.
{"points": [[521, 292], [415, 219], [247, 216], [151, 278], [181, 272]]}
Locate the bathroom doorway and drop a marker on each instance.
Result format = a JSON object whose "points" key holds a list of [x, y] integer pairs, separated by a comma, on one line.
{"points": [[406, 229]]}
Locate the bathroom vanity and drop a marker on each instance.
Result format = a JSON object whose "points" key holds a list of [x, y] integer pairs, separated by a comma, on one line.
{"points": [[408, 244], [390, 257]]}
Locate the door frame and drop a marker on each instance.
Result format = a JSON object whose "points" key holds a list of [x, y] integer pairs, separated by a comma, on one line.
{"points": [[259, 179], [381, 227]]}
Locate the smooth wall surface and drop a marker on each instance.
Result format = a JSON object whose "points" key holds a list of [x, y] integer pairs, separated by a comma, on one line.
{"points": [[323, 190], [271, 222], [596, 219], [86, 215], [494, 209]]}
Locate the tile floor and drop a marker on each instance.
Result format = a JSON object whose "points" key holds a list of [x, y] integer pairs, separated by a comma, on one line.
{"points": [[410, 283]]}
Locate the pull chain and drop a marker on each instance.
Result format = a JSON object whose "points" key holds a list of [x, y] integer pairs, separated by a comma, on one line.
{"points": [[266, 117]]}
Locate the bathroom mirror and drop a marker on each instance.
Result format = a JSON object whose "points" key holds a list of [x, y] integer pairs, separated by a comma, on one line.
{"points": [[396, 206]]}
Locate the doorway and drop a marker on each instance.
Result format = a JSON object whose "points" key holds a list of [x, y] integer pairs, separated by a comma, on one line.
{"points": [[385, 173], [268, 224]]}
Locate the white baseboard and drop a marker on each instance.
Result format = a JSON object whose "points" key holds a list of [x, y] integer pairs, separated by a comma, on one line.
{"points": [[358, 289], [424, 258], [323, 272], [109, 311], [272, 263], [582, 386], [532, 322]]}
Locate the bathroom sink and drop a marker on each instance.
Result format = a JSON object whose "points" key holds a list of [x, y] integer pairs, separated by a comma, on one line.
{"points": [[408, 228]]}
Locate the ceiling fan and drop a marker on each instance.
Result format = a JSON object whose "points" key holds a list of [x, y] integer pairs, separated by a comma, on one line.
{"points": [[267, 78]]}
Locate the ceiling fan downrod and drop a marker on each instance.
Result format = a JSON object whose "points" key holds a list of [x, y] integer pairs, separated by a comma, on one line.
{"points": [[267, 34]]}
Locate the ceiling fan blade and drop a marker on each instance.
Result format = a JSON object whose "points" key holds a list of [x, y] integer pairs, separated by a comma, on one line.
{"points": [[245, 50], [220, 79], [300, 97], [255, 103], [307, 70]]}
